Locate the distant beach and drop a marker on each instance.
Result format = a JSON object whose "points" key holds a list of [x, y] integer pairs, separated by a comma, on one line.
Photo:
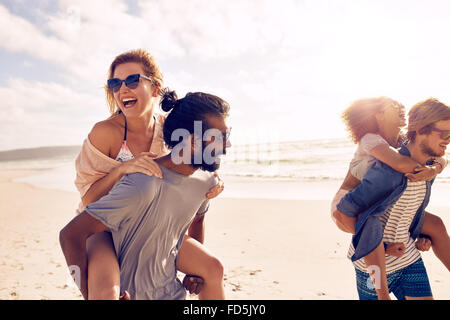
{"points": [[273, 233]]}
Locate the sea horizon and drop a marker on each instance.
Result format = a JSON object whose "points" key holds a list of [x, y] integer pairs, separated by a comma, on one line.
{"points": [[303, 169]]}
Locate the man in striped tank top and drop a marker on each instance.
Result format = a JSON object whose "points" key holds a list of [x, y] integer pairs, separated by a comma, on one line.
{"points": [[388, 207]]}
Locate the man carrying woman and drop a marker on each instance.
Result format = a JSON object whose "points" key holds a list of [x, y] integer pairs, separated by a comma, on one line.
{"points": [[387, 208], [149, 216], [128, 142]]}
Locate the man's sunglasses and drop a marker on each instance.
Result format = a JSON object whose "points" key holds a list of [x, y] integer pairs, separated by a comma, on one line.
{"points": [[227, 134], [132, 81], [445, 134]]}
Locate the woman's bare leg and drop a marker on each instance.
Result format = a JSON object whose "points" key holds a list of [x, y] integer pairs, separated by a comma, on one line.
{"points": [[194, 258], [103, 268], [434, 227], [376, 260]]}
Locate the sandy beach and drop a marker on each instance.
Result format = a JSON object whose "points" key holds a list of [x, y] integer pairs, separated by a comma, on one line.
{"points": [[271, 248]]}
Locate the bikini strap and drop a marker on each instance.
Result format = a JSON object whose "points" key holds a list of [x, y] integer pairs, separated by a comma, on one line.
{"points": [[125, 133]]}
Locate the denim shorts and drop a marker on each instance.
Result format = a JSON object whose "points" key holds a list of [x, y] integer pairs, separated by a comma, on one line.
{"points": [[411, 281]]}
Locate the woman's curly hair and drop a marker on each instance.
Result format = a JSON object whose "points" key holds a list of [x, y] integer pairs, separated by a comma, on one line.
{"points": [[359, 118]]}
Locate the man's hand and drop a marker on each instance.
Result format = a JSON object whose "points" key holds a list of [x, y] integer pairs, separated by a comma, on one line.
{"points": [[395, 249], [125, 296], [193, 284], [423, 244]]}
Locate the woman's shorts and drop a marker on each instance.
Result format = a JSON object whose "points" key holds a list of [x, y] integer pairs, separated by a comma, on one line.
{"points": [[411, 281]]}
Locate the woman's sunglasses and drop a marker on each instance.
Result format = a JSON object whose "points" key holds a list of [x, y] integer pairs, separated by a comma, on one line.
{"points": [[132, 81], [445, 134]]}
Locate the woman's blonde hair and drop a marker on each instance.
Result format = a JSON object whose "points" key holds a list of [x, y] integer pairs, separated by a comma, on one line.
{"points": [[424, 114], [359, 117], [151, 70]]}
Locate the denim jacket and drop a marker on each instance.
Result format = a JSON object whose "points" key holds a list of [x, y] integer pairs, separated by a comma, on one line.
{"points": [[380, 188]]}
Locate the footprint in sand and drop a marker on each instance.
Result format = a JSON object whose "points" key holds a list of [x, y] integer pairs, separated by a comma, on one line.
{"points": [[253, 273], [236, 287], [63, 287]]}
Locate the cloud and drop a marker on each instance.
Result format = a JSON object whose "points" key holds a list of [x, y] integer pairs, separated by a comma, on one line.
{"points": [[36, 113], [19, 35], [271, 60]]}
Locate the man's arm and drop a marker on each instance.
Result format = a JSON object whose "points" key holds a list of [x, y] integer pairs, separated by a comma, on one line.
{"points": [[72, 239], [192, 283], [197, 228]]}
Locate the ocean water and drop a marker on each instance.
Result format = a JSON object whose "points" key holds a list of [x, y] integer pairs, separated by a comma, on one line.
{"points": [[317, 162]]}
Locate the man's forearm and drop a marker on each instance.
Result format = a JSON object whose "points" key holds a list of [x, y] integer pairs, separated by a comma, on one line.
{"points": [[376, 264], [197, 230], [74, 251]]}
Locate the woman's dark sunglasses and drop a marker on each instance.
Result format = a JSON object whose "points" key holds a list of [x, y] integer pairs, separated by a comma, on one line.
{"points": [[445, 134], [132, 81]]}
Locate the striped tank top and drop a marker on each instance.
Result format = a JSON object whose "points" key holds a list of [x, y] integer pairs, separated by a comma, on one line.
{"points": [[396, 222]]}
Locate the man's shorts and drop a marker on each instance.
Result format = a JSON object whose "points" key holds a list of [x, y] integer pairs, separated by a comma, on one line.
{"points": [[411, 281]]}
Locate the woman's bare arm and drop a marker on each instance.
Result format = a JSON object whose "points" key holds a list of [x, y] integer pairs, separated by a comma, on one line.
{"points": [[394, 159], [102, 138]]}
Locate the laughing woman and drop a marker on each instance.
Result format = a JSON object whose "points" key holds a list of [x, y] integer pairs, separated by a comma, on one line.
{"points": [[127, 142]]}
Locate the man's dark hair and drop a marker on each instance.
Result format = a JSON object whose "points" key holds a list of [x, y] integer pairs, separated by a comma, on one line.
{"points": [[184, 112]]}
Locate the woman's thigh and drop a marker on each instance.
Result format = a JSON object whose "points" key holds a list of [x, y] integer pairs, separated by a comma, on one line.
{"points": [[194, 258], [103, 268]]}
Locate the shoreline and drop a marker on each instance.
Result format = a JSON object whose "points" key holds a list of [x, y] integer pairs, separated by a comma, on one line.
{"points": [[271, 249], [236, 187]]}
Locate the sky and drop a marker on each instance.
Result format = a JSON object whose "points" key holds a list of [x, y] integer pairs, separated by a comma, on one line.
{"points": [[287, 68]]}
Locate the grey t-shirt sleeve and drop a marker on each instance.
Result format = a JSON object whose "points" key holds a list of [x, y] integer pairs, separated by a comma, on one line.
{"points": [[119, 204], [203, 208]]}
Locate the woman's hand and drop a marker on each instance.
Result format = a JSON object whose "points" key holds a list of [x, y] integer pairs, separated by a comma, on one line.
{"points": [[125, 296], [217, 189], [425, 173], [142, 163]]}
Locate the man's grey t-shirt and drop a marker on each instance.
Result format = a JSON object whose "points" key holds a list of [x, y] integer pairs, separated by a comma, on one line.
{"points": [[148, 218]]}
